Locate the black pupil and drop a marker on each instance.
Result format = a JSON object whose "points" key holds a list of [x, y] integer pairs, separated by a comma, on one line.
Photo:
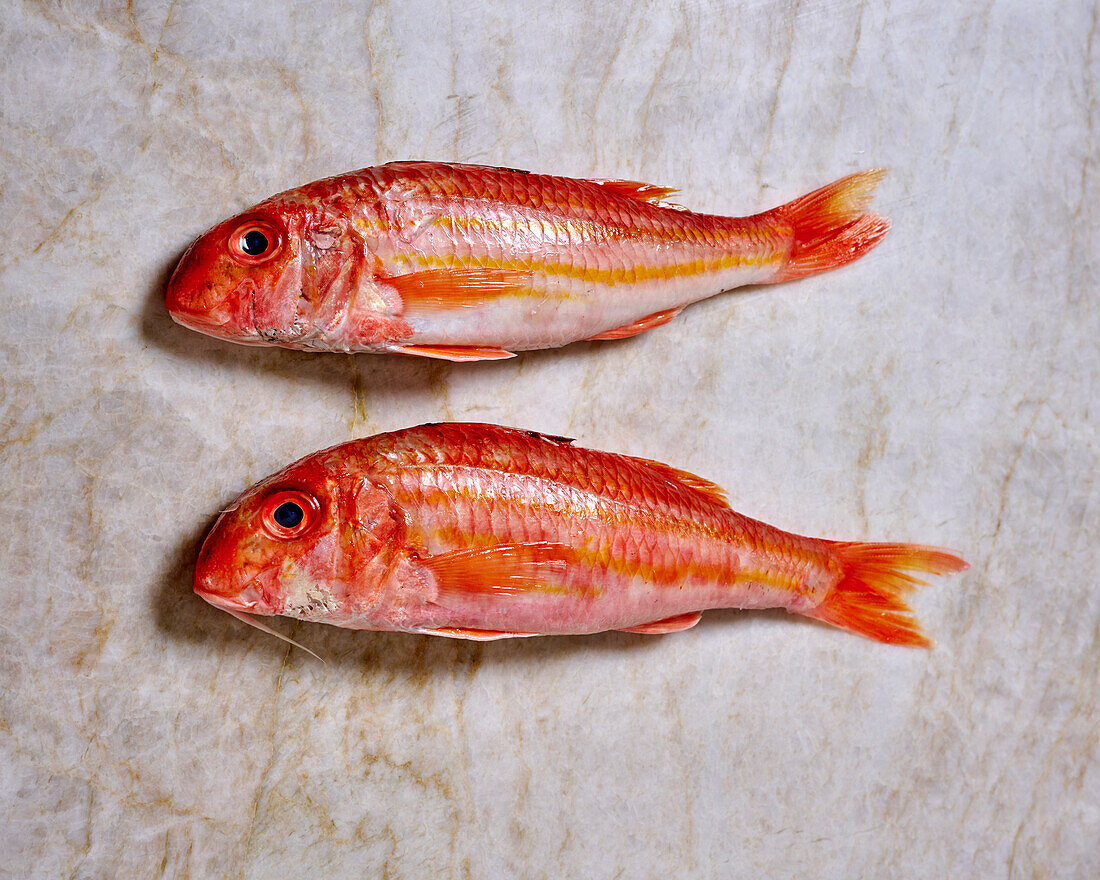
{"points": [[288, 515], [254, 243]]}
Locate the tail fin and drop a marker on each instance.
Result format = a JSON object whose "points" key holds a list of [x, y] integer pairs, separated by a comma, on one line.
{"points": [[830, 226], [868, 600]]}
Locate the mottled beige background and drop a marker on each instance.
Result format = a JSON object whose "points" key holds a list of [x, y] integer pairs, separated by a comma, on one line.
{"points": [[942, 390]]}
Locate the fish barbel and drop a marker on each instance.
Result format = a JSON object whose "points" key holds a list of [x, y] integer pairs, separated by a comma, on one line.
{"points": [[466, 262], [484, 532]]}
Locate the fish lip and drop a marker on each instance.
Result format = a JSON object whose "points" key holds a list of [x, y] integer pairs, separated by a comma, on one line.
{"points": [[246, 600], [226, 604], [211, 322], [193, 322]]}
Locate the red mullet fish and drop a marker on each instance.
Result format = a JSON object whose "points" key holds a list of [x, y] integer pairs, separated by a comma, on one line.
{"points": [[483, 532], [466, 262]]}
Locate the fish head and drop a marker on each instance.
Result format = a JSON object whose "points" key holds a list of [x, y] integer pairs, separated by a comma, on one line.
{"points": [[315, 541], [273, 275]]}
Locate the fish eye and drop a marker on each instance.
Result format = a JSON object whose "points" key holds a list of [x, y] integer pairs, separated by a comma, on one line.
{"points": [[290, 513], [254, 242]]}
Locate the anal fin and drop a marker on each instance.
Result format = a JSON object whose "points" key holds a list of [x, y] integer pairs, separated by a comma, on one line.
{"points": [[668, 625], [639, 326]]}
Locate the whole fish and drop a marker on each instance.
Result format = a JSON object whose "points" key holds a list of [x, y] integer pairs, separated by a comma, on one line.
{"points": [[466, 262], [484, 532]]}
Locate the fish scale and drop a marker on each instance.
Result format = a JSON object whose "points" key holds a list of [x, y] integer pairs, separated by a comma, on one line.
{"points": [[657, 523]]}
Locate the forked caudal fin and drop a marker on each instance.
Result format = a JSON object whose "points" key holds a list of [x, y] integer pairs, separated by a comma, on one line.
{"points": [[830, 226], [874, 579]]}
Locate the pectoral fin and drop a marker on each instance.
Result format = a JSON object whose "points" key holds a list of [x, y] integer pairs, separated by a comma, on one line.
{"points": [[668, 625], [500, 570], [459, 288]]}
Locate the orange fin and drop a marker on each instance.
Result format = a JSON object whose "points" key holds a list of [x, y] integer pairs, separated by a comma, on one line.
{"points": [[639, 326], [668, 625], [869, 598], [830, 226], [500, 569], [553, 438], [641, 192], [473, 432], [460, 288], [476, 635], [457, 353], [712, 492]]}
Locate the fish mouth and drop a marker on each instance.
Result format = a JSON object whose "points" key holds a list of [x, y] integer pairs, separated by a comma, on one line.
{"points": [[209, 303], [221, 319], [226, 330], [254, 596], [208, 322], [247, 600]]}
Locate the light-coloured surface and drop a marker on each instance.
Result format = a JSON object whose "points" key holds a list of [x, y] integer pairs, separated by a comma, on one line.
{"points": [[942, 390]]}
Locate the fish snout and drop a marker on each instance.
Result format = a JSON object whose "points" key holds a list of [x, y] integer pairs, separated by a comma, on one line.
{"points": [[235, 589], [229, 582], [202, 295], [192, 293]]}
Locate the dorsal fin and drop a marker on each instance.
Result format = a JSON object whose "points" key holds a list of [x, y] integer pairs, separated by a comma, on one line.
{"points": [[568, 441], [429, 165], [712, 492], [641, 192]]}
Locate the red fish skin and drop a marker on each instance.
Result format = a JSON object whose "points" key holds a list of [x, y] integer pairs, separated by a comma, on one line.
{"points": [[463, 529], [424, 257]]}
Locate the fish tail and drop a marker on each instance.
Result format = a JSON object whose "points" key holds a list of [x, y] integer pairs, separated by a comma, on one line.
{"points": [[874, 579], [830, 225]]}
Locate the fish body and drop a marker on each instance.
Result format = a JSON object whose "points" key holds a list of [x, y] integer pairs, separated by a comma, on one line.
{"points": [[483, 532], [466, 262]]}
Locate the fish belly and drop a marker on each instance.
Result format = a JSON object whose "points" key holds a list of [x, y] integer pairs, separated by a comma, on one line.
{"points": [[555, 313]]}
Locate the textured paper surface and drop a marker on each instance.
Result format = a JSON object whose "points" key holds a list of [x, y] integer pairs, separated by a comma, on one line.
{"points": [[942, 390]]}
